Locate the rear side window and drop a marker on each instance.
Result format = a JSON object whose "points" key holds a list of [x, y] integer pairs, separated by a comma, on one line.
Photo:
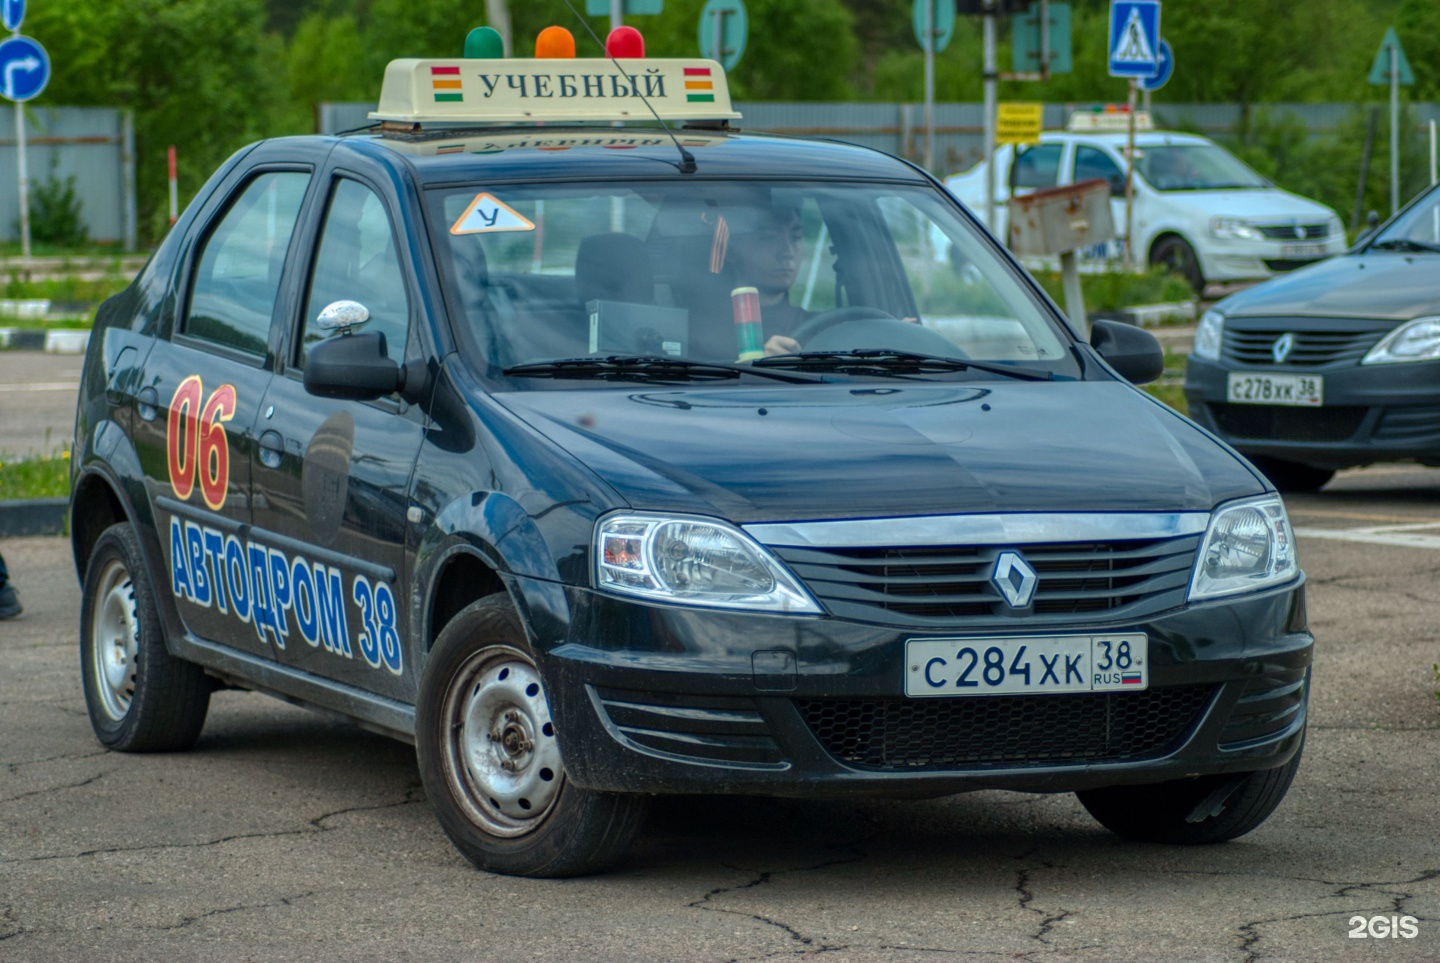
{"points": [[1037, 167], [238, 274], [1091, 163]]}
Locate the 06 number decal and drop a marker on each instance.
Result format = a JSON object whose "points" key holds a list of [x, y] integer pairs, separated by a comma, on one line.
{"points": [[197, 446]]}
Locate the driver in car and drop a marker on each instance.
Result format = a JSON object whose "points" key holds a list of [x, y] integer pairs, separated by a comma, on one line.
{"points": [[768, 259]]}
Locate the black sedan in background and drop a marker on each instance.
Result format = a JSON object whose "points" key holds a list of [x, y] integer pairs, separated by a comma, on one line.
{"points": [[1334, 366]]}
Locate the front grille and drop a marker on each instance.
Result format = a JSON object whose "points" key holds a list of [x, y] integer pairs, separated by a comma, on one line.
{"points": [[1287, 232], [1284, 423], [1408, 423], [1006, 731], [1267, 707], [1312, 348], [700, 728], [951, 585]]}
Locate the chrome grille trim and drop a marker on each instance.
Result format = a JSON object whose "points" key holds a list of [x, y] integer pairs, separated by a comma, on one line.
{"points": [[998, 529]]}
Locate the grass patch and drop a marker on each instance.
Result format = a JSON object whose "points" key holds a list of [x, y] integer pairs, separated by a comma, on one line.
{"points": [[1170, 387], [68, 288], [41, 477], [1114, 290]]}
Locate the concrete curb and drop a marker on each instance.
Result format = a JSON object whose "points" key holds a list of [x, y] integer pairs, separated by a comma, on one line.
{"points": [[54, 341], [33, 516]]}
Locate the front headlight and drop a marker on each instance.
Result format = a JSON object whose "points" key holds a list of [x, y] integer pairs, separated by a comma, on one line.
{"points": [[1234, 227], [1208, 336], [1334, 227], [693, 561], [1417, 340], [1248, 546]]}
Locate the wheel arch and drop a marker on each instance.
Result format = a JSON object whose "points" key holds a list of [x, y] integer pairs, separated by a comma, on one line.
{"points": [[95, 505]]}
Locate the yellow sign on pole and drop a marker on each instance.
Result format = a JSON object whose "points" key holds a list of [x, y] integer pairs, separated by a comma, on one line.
{"points": [[1018, 123]]}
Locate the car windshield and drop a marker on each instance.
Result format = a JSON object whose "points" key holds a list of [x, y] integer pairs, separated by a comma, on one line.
{"points": [[1195, 167], [804, 276], [1417, 228]]}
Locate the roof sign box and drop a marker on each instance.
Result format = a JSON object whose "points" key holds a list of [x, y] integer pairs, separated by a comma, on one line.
{"points": [[552, 90], [1108, 120]]}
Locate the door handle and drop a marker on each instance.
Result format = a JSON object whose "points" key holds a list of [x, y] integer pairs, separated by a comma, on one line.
{"points": [[146, 403], [272, 449]]}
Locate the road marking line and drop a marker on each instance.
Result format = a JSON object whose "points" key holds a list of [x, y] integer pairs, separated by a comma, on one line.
{"points": [[43, 386], [1372, 536], [1322, 513]]}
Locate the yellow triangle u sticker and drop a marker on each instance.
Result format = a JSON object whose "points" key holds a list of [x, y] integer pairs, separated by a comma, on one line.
{"points": [[488, 213]]}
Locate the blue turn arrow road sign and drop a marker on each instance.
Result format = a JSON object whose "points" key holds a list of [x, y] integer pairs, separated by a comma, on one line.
{"points": [[24, 69], [1134, 38], [1163, 71], [12, 12]]}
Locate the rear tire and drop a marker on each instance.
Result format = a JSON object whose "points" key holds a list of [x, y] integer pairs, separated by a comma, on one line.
{"points": [[1291, 476], [490, 759], [1176, 254], [1160, 813], [139, 696]]}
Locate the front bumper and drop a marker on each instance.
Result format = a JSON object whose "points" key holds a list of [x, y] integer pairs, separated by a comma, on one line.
{"points": [[662, 699], [1228, 259], [1372, 413]]}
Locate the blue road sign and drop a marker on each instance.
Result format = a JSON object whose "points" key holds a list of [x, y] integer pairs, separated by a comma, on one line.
{"points": [[942, 22], [24, 69], [1162, 73], [12, 12], [733, 23], [1134, 38]]}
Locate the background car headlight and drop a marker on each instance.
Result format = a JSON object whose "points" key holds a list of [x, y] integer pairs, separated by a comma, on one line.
{"points": [[1208, 336], [693, 561], [1248, 546], [1334, 227], [1234, 227], [1417, 340]]}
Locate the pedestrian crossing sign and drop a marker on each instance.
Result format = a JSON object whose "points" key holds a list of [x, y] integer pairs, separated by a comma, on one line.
{"points": [[1134, 38]]}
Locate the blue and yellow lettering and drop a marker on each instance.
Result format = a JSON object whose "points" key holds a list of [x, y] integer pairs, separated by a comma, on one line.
{"points": [[215, 556], [302, 587], [369, 631], [518, 82], [262, 612], [617, 86], [330, 611], [199, 579], [389, 636], [280, 591], [654, 85], [542, 86], [179, 567], [567, 85], [236, 578], [489, 83], [593, 85]]}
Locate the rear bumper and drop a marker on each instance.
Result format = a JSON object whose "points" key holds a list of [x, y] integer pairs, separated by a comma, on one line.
{"points": [[659, 699]]}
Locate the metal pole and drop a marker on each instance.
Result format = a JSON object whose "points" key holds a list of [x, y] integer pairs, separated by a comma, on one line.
{"points": [[719, 37], [617, 13], [990, 77], [930, 85], [1074, 297], [127, 178], [24, 186], [1044, 40], [1130, 183], [1394, 130]]}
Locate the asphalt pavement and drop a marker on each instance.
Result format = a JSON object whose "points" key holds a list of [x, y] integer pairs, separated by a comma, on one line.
{"points": [[37, 402]]}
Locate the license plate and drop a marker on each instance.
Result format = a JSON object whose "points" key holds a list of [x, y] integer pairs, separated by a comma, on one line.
{"points": [[1265, 389], [1028, 665], [1302, 250]]}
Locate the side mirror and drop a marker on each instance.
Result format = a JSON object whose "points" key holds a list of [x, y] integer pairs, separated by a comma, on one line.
{"points": [[353, 366], [1133, 352]]}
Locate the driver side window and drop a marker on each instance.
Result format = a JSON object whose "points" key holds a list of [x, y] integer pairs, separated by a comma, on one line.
{"points": [[1091, 163]]}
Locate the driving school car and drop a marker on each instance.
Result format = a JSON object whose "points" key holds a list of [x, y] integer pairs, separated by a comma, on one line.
{"points": [[601, 462]]}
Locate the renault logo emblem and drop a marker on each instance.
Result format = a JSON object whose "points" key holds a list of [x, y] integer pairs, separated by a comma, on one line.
{"points": [[1015, 579], [1282, 348], [1299, 232]]}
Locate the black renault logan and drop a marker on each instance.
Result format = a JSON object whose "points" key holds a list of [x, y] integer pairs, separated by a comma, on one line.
{"points": [[605, 462]]}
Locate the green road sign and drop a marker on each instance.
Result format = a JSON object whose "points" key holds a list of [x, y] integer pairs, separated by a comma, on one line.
{"points": [[1380, 70], [630, 8], [1025, 40], [942, 22], [726, 21]]}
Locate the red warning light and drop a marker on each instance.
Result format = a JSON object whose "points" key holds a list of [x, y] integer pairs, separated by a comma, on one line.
{"points": [[555, 43], [625, 43]]}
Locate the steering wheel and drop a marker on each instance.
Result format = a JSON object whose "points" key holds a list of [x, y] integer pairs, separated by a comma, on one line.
{"points": [[862, 327]]}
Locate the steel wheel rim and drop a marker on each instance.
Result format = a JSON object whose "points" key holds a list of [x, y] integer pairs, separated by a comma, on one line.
{"points": [[500, 752], [115, 640]]}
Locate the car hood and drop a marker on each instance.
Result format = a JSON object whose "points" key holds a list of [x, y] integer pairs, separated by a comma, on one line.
{"points": [[775, 453], [1263, 206], [1388, 286]]}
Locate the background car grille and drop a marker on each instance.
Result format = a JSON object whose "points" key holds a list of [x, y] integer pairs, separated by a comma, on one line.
{"points": [[1312, 348], [1286, 232], [1282, 423], [951, 585], [1004, 731]]}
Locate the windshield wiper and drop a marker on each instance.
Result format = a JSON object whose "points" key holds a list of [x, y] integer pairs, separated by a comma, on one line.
{"points": [[1405, 244], [658, 367], [884, 360]]}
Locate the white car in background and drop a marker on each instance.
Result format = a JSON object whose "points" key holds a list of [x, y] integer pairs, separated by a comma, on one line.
{"points": [[1198, 208]]}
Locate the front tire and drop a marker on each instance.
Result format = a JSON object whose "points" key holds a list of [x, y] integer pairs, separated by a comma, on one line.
{"points": [[1176, 254], [140, 697], [490, 760], [1222, 807]]}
